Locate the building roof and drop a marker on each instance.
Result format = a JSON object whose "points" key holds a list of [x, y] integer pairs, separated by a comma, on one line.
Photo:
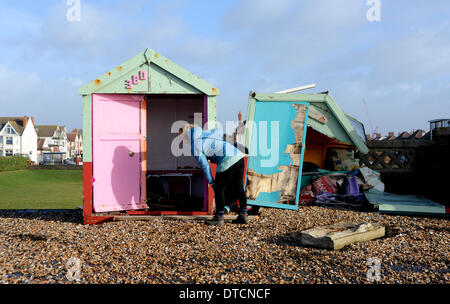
{"points": [[437, 120], [404, 135], [418, 134], [46, 131], [16, 123], [40, 143], [427, 136], [71, 137]]}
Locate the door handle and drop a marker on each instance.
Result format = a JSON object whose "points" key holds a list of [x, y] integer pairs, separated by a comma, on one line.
{"points": [[131, 153]]}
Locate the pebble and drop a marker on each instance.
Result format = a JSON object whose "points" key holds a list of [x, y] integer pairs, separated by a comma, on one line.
{"points": [[36, 248]]}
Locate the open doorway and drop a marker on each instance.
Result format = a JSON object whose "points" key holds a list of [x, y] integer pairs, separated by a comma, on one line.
{"points": [[174, 183]]}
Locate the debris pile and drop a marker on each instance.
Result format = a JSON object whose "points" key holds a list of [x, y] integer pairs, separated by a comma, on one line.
{"points": [[340, 189], [361, 189]]}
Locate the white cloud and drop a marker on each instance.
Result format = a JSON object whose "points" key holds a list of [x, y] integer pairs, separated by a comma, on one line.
{"points": [[105, 34], [292, 34], [49, 101], [419, 55]]}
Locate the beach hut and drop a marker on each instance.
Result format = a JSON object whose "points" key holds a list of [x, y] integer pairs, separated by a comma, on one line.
{"points": [[131, 118]]}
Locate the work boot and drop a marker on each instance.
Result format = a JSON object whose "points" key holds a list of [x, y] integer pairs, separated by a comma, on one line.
{"points": [[226, 209], [241, 219], [216, 221]]}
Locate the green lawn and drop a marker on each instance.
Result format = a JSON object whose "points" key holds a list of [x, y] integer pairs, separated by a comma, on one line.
{"points": [[41, 189]]}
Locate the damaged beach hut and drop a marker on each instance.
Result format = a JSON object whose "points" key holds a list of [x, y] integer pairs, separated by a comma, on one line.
{"points": [[289, 134]]}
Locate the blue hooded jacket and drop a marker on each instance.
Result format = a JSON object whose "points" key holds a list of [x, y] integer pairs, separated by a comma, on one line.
{"points": [[209, 145]]}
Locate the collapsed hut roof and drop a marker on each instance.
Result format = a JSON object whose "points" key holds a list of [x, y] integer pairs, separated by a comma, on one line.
{"points": [[325, 117]]}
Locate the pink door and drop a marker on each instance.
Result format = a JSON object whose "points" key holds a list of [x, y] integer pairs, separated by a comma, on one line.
{"points": [[118, 162]]}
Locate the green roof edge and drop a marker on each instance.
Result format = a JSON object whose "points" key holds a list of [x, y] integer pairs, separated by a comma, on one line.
{"points": [[315, 98], [149, 56]]}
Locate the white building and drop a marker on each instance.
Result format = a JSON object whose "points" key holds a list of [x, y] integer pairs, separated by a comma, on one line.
{"points": [[18, 137], [75, 143], [53, 139]]}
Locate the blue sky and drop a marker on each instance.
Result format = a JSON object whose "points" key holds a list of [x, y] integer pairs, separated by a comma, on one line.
{"points": [[400, 66]]}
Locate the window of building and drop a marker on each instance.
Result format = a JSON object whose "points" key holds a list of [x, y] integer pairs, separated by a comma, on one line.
{"points": [[9, 140], [9, 130]]}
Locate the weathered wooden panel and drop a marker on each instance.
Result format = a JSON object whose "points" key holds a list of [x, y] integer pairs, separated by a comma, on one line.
{"points": [[335, 237], [394, 203], [181, 73], [332, 129], [163, 82], [272, 178], [212, 111], [114, 81], [148, 72], [87, 128], [337, 125]]}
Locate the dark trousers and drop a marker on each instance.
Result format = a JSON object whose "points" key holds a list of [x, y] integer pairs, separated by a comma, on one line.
{"points": [[228, 186]]}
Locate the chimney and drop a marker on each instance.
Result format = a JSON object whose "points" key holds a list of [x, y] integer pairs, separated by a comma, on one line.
{"points": [[378, 135], [239, 117], [25, 121], [32, 119]]}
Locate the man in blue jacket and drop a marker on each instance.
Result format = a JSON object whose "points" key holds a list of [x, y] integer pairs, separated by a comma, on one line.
{"points": [[209, 145]]}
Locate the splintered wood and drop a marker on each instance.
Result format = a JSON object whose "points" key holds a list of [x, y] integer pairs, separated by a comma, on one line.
{"points": [[298, 123], [316, 115], [285, 181]]}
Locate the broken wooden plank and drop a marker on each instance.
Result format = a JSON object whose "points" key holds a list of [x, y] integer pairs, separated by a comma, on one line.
{"points": [[316, 115], [336, 236]]}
